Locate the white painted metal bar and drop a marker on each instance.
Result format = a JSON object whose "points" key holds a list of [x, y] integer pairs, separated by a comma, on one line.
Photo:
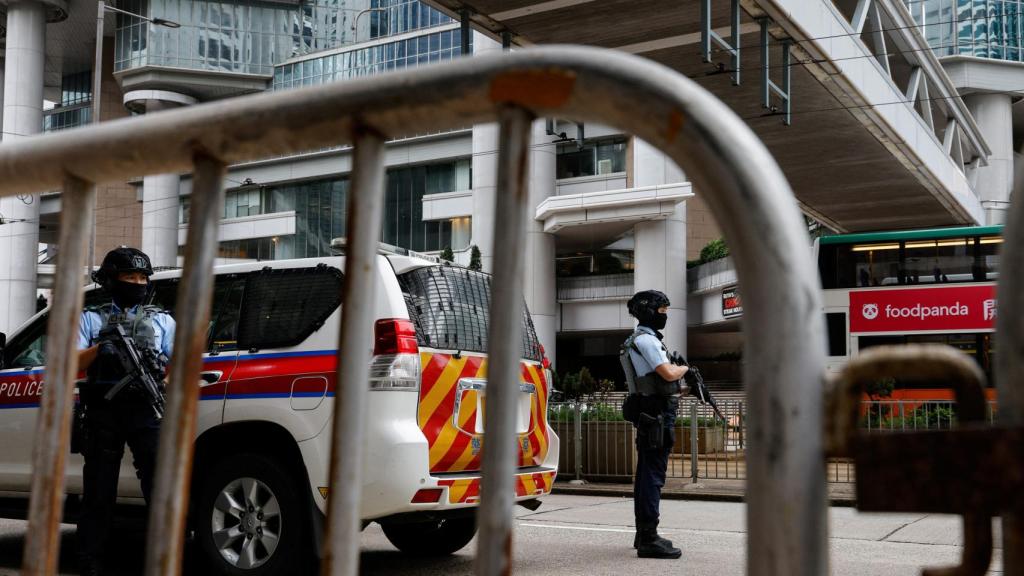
{"points": [[169, 506], [947, 137], [365, 211], [926, 105], [745, 189], [878, 35], [1009, 376], [53, 428], [860, 15], [914, 84], [497, 488]]}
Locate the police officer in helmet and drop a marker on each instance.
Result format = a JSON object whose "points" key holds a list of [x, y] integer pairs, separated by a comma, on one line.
{"points": [[655, 385], [127, 417]]}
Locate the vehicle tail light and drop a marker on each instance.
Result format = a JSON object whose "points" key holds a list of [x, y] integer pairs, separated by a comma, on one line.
{"points": [[545, 362], [394, 336], [427, 496], [396, 360]]}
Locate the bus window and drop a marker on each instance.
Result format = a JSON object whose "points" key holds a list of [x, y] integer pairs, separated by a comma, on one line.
{"points": [[835, 326], [986, 261], [938, 261], [877, 264]]}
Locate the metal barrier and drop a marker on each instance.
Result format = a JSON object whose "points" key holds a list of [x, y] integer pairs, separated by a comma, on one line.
{"points": [[604, 447], [740, 181]]}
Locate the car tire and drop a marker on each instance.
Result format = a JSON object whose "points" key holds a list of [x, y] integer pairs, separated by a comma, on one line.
{"points": [[251, 518], [433, 538]]}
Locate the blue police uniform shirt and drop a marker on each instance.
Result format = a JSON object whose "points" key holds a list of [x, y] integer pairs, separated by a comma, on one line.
{"points": [[164, 325], [651, 354]]}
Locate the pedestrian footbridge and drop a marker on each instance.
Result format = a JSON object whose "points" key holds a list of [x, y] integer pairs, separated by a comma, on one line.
{"points": [[846, 94]]}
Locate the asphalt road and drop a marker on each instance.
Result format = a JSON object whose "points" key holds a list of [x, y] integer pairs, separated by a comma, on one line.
{"points": [[590, 536]]}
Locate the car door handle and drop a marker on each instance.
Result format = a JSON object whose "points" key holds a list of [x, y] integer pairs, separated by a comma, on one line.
{"points": [[210, 377]]}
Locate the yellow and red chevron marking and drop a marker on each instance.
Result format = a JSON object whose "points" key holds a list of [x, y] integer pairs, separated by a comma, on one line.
{"points": [[534, 484], [467, 490], [462, 490], [453, 449]]}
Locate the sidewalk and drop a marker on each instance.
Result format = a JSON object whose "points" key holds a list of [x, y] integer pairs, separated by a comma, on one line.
{"points": [[839, 494]]}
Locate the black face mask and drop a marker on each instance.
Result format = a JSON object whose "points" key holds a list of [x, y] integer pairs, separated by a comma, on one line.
{"points": [[658, 320], [127, 294]]}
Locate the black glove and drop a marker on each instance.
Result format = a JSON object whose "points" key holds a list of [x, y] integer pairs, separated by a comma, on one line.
{"points": [[107, 349]]}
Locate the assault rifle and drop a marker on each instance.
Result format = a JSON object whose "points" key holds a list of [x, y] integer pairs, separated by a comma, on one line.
{"points": [[695, 380], [134, 366]]}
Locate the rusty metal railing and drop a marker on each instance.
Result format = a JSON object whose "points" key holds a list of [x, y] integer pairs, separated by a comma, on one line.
{"points": [[738, 178]]}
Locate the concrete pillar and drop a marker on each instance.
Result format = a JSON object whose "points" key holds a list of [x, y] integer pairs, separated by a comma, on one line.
{"points": [[660, 264], [994, 115], [485, 172], [539, 279], [22, 116], [159, 192]]}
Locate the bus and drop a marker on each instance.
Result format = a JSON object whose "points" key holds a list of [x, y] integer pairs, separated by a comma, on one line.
{"points": [[912, 286]]}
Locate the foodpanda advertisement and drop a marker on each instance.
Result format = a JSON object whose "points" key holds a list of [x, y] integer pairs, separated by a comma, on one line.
{"points": [[939, 309]]}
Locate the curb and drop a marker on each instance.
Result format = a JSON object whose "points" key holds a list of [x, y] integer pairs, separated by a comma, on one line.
{"points": [[701, 496]]}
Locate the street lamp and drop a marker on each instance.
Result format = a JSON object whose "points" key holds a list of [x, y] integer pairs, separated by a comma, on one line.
{"points": [[365, 11], [97, 87]]}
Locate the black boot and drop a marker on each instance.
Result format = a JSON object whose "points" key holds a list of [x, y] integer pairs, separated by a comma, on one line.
{"points": [[649, 545]]}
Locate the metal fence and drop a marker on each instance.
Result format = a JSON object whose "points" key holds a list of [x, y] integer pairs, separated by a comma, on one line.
{"points": [[598, 445]]}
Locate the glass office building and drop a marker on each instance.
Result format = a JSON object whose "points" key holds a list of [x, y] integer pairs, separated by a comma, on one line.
{"points": [[983, 28], [252, 37], [320, 212], [428, 48]]}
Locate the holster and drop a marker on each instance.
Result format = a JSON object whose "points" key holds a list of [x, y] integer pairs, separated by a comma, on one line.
{"points": [[651, 431]]}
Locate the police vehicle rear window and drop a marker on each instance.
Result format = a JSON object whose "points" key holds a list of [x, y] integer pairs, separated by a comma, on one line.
{"points": [[450, 307]]}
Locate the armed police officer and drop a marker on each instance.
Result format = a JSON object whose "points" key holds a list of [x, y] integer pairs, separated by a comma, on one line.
{"points": [[115, 337], [654, 384]]}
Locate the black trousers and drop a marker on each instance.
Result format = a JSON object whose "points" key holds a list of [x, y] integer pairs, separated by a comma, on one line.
{"points": [[109, 426], [651, 466]]}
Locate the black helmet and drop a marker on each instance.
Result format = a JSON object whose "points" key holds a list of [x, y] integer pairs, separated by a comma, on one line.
{"points": [[122, 259], [645, 304]]}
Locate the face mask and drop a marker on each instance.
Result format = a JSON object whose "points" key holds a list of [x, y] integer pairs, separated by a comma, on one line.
{"points": [[658, 320], [128, 295]]}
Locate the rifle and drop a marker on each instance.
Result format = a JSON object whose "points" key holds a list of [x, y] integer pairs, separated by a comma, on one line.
{"points": [[698, 388], [135, 371]]}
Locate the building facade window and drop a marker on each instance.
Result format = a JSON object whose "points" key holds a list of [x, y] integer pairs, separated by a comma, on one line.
{"points": [[435, 47], [983, 28], [595, 158], [320, 213], [253, 37]]}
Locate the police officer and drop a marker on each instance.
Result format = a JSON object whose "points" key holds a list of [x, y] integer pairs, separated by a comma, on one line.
{"points": [[654, 396], [127, 417]]}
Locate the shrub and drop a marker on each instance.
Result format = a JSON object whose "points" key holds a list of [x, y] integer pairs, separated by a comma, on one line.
{"points": [[447, 255], [714, 250], [474, 259]]}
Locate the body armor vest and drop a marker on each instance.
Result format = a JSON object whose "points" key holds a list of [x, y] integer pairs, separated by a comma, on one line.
{"points": [[141, 327], [650, 384]]}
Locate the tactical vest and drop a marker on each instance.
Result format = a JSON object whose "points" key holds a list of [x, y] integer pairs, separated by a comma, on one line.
{"points": [[141, 327], [650, 384]]}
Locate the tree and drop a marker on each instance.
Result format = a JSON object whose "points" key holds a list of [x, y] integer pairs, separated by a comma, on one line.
{"points": [[447, 255], [474, 259]]}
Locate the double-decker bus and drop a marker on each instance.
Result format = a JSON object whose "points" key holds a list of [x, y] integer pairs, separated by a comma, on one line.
{"points": [[914, 286]]}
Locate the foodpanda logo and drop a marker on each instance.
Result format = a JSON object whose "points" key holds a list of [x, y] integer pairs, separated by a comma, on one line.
{"points": [[870, 311]]}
